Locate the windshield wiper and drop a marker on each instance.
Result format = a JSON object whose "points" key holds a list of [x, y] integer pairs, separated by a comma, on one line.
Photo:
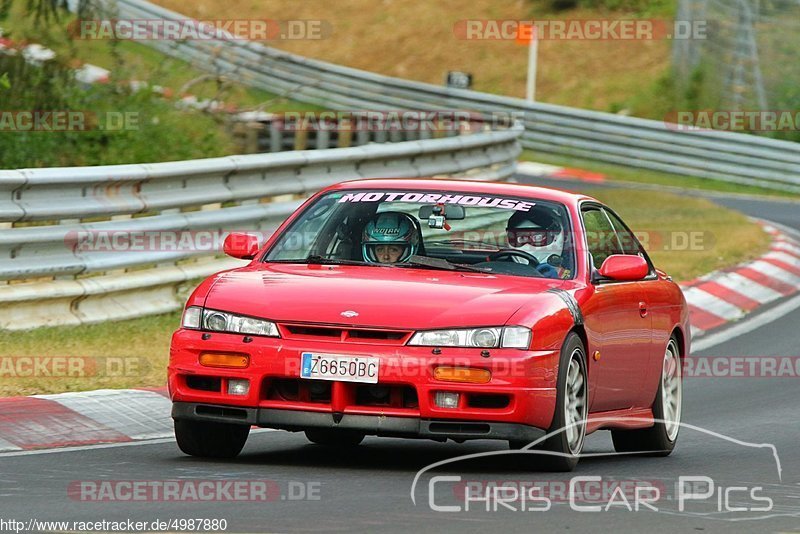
{"points": [[436, 263], [413, 261], [461, 242], [316, 259]]}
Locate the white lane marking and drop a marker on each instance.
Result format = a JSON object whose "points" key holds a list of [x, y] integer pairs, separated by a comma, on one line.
{"points": [[785, 245], [89, 447], [7, 446], [787, 229], [745, 327], [773, 271], [708, 302], [134, 413], [748, 288], [788, 259], [696, 332], [156, 441]]}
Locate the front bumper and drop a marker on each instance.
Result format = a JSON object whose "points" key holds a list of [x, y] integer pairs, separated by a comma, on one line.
{"points": [[373, 425], [522, 389]]}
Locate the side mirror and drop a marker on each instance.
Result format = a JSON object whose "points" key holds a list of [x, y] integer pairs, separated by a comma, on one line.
{"points": [[624, 268], [239, 245]]}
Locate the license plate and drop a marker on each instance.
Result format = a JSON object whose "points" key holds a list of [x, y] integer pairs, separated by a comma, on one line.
{"points": [[334, 367]]}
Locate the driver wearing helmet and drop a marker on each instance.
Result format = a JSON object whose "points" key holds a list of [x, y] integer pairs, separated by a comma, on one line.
{"points": [[391, 237], [539, 233]]}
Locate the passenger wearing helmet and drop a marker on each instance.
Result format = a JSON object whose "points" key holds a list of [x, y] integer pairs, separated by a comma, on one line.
{"points": [[391, 237], [539, 233]]}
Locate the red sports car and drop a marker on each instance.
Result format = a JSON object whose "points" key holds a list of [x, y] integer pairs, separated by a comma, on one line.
{"points": [[435, 309]]}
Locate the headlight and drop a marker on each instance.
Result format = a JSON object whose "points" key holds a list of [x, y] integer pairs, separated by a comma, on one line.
{"points": [[220, 321], [515, 337]]}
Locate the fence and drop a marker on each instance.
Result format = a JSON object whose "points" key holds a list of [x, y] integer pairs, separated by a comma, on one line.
{"points": [[743, 63]]}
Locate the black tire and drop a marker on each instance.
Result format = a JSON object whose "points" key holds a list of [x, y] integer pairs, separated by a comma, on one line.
{"points": [[210, 440], [566, 457], [653, 441], [340, 439]]}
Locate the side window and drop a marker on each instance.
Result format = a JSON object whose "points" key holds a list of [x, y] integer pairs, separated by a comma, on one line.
{"points": [[601, 239], [630, 245]]}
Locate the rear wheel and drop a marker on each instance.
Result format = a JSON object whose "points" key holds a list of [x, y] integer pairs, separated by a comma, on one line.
{"points": [[334, 438], [210, 440], [569, 420], [660, 439]]}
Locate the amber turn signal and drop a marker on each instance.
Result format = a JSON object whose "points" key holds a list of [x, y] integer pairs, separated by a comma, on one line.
{"points": [[469, 375], [215, 359]]}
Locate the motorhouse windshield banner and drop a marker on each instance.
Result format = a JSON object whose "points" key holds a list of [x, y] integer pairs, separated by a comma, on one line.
{"points": [[439, 198]]}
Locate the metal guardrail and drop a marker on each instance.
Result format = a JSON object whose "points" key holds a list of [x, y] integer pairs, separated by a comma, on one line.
{"points": [[649, 144], [48, 276]]}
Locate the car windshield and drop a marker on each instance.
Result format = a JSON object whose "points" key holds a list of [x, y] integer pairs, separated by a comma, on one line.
{"points": [[443, 230]]}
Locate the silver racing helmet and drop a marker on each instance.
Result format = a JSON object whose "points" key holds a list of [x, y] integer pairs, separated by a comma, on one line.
{"points": [[538, 232]]}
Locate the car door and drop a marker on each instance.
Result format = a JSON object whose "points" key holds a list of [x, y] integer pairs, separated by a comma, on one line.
{"points": [[617, 318], [661, 309]]}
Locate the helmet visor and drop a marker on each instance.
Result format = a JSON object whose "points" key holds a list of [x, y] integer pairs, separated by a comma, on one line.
{"points": [[535, 237]]}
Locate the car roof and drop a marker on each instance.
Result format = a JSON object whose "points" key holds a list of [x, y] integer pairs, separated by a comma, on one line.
{"points": [[465, 186]]}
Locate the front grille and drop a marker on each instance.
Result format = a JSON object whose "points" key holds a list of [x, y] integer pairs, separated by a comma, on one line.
{"points": [[344, 334], [316, 331], [294, 390]]}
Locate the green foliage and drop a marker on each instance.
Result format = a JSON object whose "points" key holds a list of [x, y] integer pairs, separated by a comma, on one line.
{"points": [[42, 11], [122, 127], [638, 7]]}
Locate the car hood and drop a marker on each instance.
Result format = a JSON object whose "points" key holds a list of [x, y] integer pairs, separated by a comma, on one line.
{"points": [[382, 297]]}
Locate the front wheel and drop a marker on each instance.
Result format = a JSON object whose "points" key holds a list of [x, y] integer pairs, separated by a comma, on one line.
{"points": [[210, 440], [660, 439], [563, 448]]}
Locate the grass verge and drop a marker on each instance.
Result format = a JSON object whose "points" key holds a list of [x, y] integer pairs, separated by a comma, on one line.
{"points": [[119, 354], [686, 237], [143, 344]]}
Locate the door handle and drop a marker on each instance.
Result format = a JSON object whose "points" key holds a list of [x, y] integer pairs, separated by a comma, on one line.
{"points": [[643, 309]]}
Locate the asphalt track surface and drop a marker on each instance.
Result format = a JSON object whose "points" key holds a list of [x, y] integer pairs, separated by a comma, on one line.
{"points": [[369, 489]]}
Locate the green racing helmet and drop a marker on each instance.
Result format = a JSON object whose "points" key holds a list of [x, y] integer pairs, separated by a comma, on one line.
{"points": [[390, 228]]}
